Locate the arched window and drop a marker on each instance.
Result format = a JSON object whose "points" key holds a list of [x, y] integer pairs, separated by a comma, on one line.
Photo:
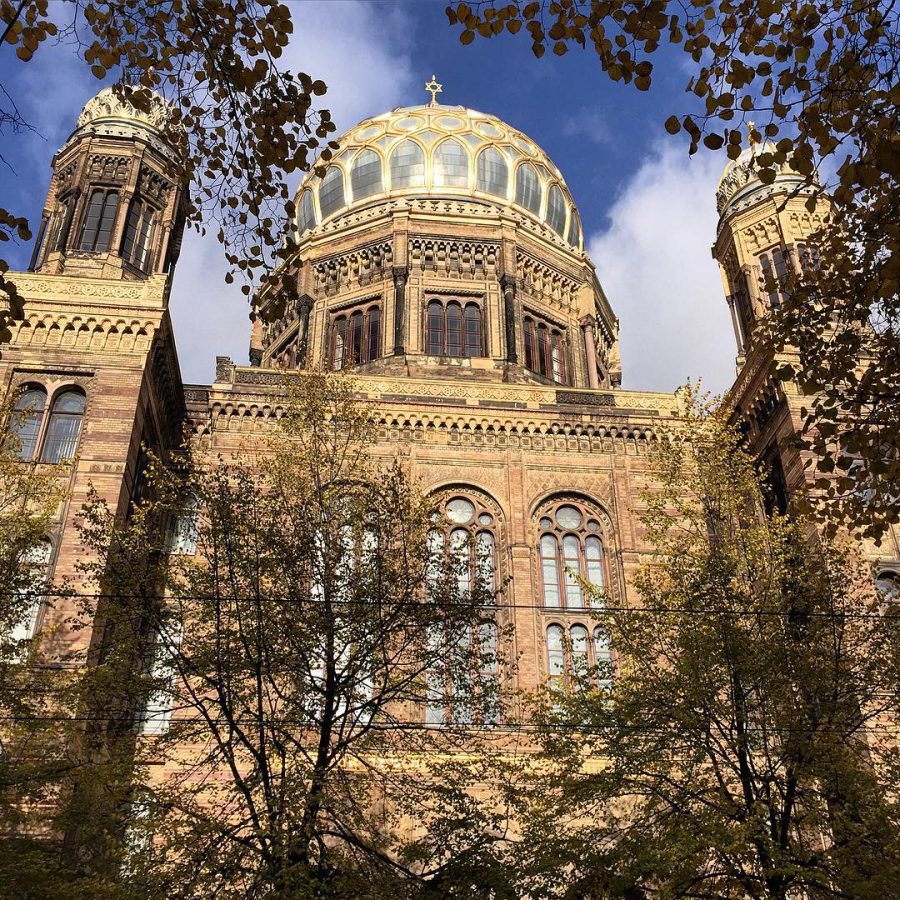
{"points": [[556, 210], [774, 274], [545, 350], [434, 342], [138, 234], [574, 230], [63, 427], [307, 217], [453, 331], [570, 548], [493, 172], [25, 425], [407, 165], [462, 544], [365, 175], [473, 329], [338, 342], [573, 655], [331, 192], [355, 337], [99, 220], [528, 188], [451, 164], [889, 585], [530, 345]]}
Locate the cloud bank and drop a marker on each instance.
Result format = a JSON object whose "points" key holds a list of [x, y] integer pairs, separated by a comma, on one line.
{"points": [[654, 263]]}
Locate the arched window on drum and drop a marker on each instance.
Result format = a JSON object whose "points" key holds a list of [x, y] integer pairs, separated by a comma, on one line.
{"points": [[570, 548]]}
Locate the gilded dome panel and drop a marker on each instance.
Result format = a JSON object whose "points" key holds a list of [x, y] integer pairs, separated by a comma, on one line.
{"points": [[443, 151]]}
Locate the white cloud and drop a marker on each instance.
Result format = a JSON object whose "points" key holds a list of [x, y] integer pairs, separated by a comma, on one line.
{"points": [[362, 52], [654, 264]]}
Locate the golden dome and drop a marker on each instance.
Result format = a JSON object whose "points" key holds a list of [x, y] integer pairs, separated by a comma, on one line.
{"points": [[109, 115], [740, 183], [438, 151]]}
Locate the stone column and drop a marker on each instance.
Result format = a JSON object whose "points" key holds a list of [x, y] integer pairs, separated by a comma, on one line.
{"points": [[590, 352], [734, 323], [304, 306], [508, 285], [401, 273]]}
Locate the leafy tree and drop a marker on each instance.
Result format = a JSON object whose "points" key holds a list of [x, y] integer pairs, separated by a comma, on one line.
{"points": [[243, 123], [747, 746], [820, 81], [303, 610]]}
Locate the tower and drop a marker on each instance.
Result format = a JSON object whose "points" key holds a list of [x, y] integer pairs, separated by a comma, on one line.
{"points": [[760, 239], [93, 363]]}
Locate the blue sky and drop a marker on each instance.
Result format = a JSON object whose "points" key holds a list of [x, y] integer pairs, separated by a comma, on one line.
{"points": [[648, 209]]}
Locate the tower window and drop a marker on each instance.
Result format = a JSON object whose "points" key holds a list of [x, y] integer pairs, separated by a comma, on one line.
{"points": [[331, 192], [571, 549], [453, 330], [574, 230], [528, 188], [307, 213], [407, 165], [138, 234], [99, 221], [545, 350], [774, 273], [27, 415], [365, 175], [451, 164], [556, 210], [493, 172], [355, 337], [63, 427]]}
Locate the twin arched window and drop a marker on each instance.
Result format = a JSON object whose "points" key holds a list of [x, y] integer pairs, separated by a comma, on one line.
{"points": [[355, 337], [466, 529], [453, 330], [575, 656], [99, 220], [571, 547], [545, 350], [55, 434], [139, 234]]}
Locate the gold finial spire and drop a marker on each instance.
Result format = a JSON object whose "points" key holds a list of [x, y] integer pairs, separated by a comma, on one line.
{"points": [[434, 89], [751, 127]]}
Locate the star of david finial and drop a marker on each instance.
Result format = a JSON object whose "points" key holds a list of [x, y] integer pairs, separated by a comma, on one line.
{"points": [[434, 89]]}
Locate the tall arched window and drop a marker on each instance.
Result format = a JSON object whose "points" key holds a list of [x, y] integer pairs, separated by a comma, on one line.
{"points": [[331, 192], [493, 172], [528, 188], [570, 547], [25, 425], [774, 274], [365, 175], [451, 164], [530, 344], [574, 230], [407, 165], [138, 234], [99, 220], [473, 329], [451, 330], [63, 426], [556, 210], [307, 215], [462, 545], [355, 337]]}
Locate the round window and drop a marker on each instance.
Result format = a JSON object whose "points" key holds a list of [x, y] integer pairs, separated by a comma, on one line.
{"points": [[593, 526], [568, 517], [485, 519], [459, 511], [546, 523]]}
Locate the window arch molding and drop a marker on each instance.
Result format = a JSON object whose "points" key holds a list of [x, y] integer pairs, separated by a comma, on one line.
{"points": [[454, 326], [573, 535]]}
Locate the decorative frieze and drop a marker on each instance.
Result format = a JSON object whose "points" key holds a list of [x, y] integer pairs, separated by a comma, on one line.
{"points": [[453, 259], [546, 284], [353, 269], [108, 168]]}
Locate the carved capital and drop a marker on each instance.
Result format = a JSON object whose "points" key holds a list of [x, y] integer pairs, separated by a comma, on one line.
{"points": [[508, 282], [401, 274], [256, 356], [224, 368], [305, 303]]}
